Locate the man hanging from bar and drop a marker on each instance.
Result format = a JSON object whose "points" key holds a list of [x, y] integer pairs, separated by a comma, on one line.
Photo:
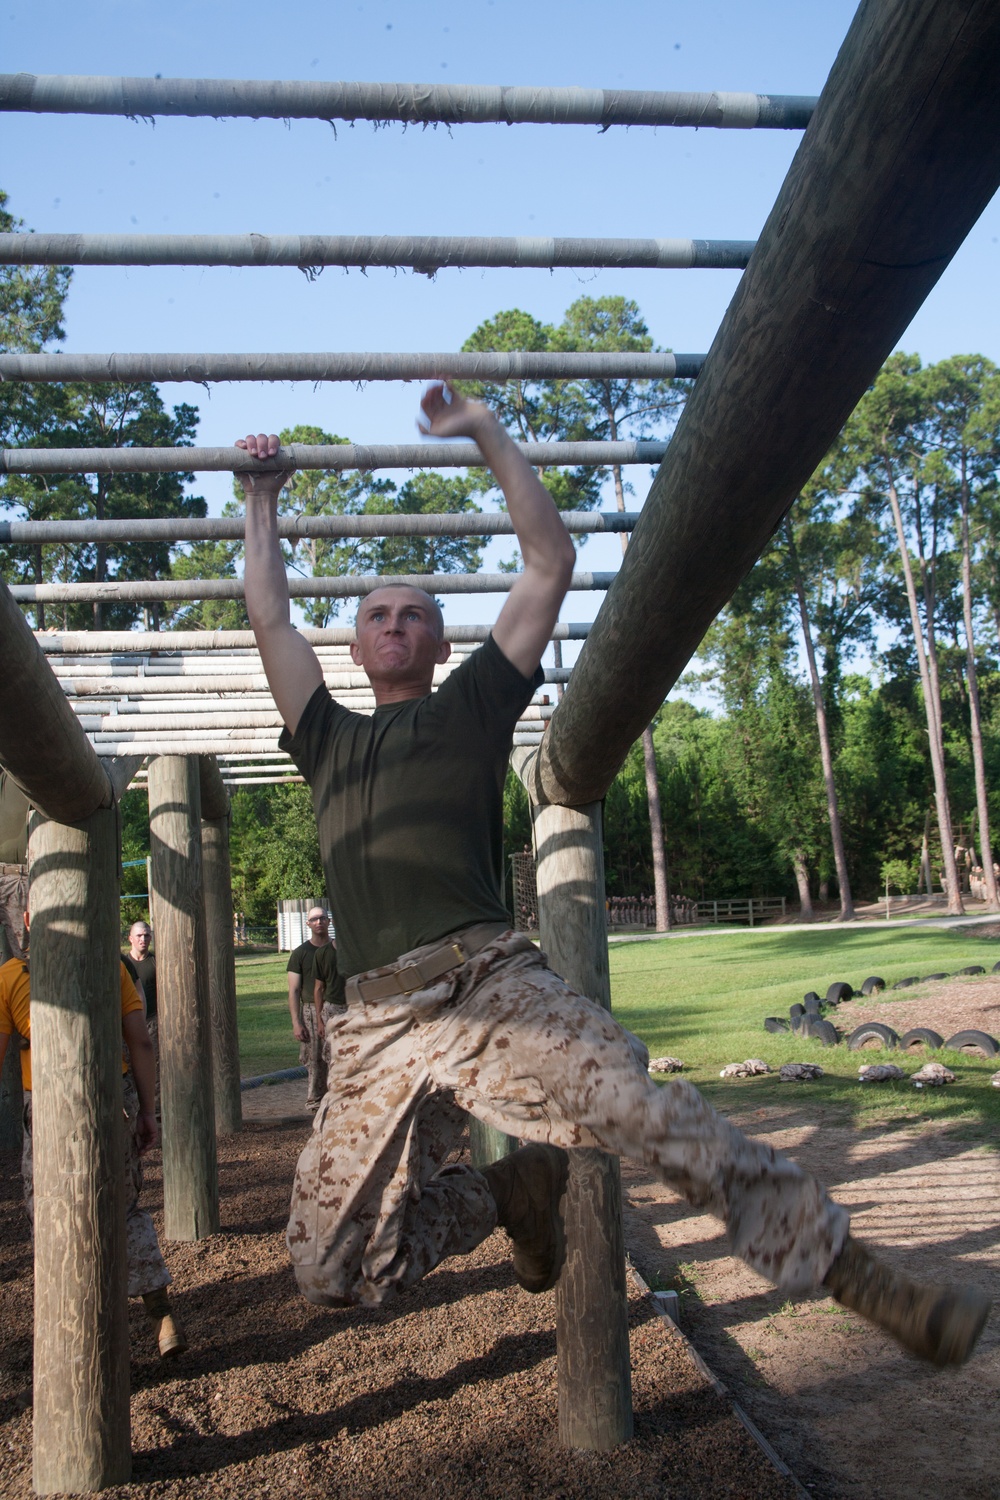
{"points": [[449, 1011], [148, 1276]]}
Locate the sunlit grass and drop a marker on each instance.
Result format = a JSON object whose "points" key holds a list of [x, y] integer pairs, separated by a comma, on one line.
{"points": [[704, 998]]}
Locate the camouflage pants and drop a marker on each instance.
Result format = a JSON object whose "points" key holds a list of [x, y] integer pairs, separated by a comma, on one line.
{"points": [[312, 1054], [375, 1206], [147, 1270]]}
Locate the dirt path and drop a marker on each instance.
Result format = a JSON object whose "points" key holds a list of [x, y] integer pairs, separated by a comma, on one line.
{"points": [[449, 1390], [849, 1414]]}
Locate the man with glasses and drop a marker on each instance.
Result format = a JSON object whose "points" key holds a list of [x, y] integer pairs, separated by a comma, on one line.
{"points": [[305, 1021]]}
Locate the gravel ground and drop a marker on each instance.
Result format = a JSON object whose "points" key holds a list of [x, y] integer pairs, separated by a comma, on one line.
{"points": [[448, 1390]]}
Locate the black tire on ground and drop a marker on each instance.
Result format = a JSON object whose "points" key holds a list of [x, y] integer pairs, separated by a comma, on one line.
{"points": [[973, 969], [814, 1008], [920, 1036], [776, 1023], [872, 985], [904, 984], [873, 1031], [811, 1000], [973, 1041], [820, 1031], [995, 969], [928, 977], [839, 992], [796, 1010]]}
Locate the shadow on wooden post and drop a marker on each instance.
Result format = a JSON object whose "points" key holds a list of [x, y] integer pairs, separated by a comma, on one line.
{"points": [[595, 1384], [82, 1437], [190, 1169], [221, 948]]}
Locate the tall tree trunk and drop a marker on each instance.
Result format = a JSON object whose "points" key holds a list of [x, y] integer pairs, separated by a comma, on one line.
{"points": [[825, 749], [975, 721], [925, 856], [557, 661], [661, 887], [955, 906], [802, 881]]}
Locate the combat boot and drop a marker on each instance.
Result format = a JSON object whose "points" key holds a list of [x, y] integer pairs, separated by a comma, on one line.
{"points": [[170, 1339], [528, 1187], [939, 1323]]}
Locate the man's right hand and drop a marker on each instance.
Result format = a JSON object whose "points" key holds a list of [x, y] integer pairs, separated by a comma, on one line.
{"points": [[301, 1031]]}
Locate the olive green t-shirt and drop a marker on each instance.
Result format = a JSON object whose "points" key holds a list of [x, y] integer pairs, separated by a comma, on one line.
{"points": [[409, 806], [327, 972]]}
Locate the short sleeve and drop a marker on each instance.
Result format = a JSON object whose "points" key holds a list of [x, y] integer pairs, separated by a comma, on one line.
{"points": [[130, 995], [318, 720], [295, 961]]}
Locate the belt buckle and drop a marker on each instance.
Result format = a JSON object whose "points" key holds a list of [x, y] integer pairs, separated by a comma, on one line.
{"points": [[410, 969], [461, 956]]}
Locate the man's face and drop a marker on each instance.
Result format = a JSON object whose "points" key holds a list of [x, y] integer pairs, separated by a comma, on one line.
{"points": [[399, 636], [140, 937], [318, 922]]}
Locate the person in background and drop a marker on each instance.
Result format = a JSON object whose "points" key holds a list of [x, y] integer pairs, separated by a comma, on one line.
{"points": [[330, 1001], [148, 1276], [306, 1022]]}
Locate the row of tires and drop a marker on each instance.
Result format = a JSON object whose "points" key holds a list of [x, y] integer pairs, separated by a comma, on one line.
{"points": [[874, 1032], [840, 990]]}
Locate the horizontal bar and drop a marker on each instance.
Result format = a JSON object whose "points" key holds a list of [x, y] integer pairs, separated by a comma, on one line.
{"points": [[492, 368], [127, 644], [144, 688], [410, 103], [426, 254], [218, 528], [334, 457], [125, 725], [222, 743], [299, 588]]}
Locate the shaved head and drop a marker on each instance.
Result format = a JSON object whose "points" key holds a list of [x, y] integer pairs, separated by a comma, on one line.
{"points": [[427, 600]]}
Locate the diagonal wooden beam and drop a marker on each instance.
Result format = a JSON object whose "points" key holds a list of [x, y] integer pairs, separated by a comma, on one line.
{"points": [[900, 158]]}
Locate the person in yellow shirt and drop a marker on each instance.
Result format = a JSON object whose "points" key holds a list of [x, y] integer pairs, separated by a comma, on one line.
{"points": [[148, 1276]]}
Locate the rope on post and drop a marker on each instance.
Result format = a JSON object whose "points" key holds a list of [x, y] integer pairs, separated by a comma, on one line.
{"points": [[409, 103], [353, 367], [356, 587], [333, 456], [233, 528], [426, 254]]}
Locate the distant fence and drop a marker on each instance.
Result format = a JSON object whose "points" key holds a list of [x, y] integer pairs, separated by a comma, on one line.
{"points": [[246, 935], [740, 909], [623, 911]]}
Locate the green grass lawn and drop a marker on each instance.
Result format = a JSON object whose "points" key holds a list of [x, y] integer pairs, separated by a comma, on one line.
{"points": [[703, 999], [266, 1041]]}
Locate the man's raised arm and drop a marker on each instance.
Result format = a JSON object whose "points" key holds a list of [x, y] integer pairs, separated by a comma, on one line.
{"points": [[290, 664], [524, 627]]}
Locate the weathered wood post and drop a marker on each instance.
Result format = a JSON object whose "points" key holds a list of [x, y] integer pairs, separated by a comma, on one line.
{"points": [[595, 1383], [82, 1436], [190, 1169], [221, 950]]}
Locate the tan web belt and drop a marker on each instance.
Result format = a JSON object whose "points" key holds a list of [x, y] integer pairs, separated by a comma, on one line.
{"points": [[407, 978]]}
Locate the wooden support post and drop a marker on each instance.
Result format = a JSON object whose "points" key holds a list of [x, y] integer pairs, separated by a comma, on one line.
{"points": [[595, 1386], [221, 949], [487, 1144], [81, 1433], [190, 1170]]}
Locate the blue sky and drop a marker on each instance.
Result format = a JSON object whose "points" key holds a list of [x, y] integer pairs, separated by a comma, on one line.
{"points": [[91, 174]]}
